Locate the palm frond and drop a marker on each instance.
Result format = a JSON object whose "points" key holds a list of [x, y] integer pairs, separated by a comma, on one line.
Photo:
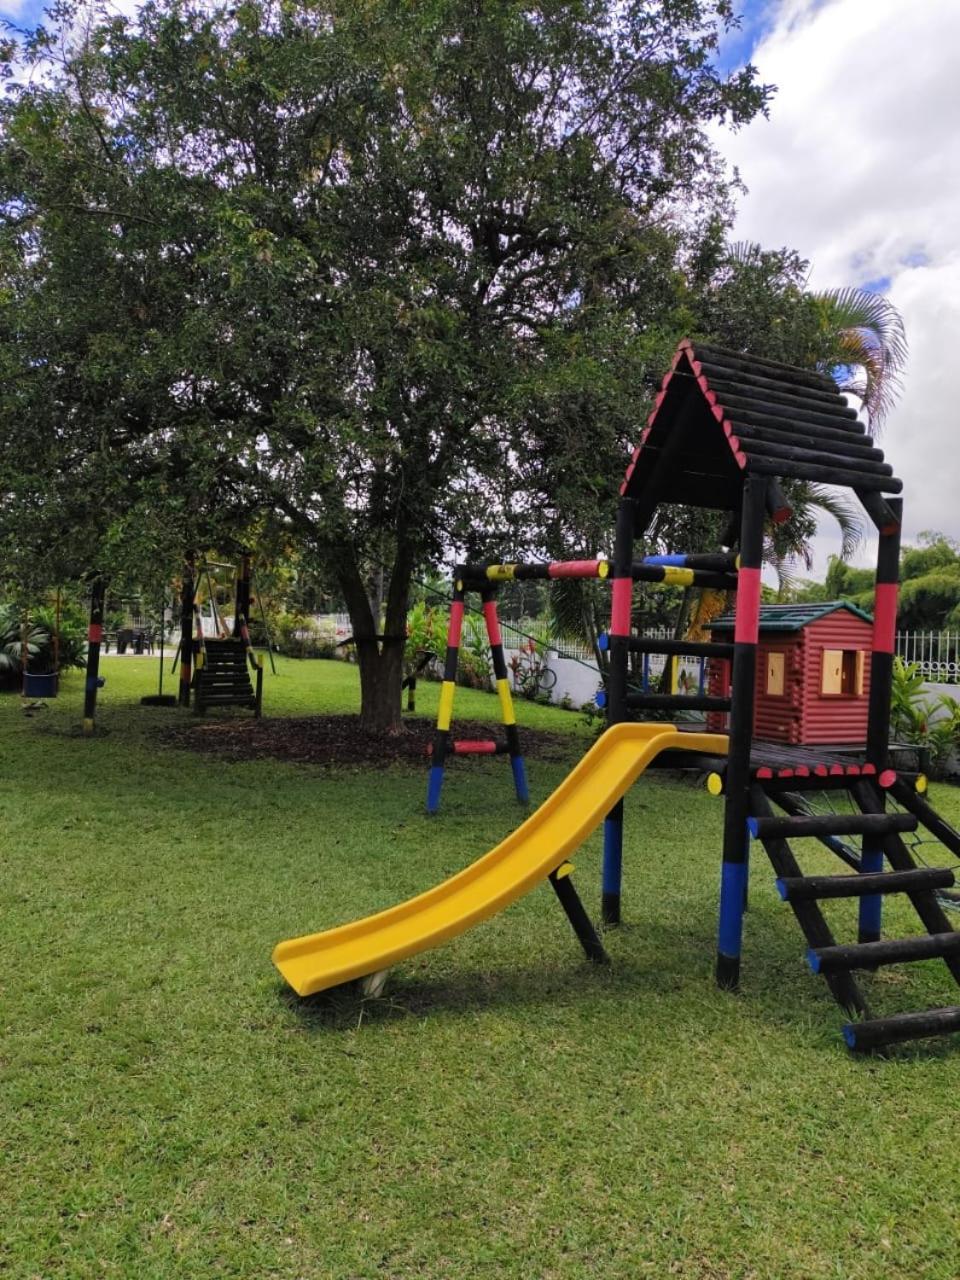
{"points": [[870, 340], [844, 511]]}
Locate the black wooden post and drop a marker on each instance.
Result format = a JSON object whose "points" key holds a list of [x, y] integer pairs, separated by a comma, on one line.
{"points": [[241, 610], [98, 588], [881, 690], [733, 882], [619, 644], [187, 597], [488, 596]]}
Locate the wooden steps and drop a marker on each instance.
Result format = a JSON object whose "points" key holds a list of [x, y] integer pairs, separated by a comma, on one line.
{"points": [[837, 962], [223, 680]]}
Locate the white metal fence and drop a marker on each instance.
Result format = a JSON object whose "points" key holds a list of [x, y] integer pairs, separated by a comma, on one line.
{"points": [[935, 653]]}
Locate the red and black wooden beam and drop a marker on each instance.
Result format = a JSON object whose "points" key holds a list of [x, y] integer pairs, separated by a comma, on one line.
{"points": [[476, 575]]}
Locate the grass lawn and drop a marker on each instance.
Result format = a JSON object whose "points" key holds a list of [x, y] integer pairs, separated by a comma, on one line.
{"points": [[169, 1109]]}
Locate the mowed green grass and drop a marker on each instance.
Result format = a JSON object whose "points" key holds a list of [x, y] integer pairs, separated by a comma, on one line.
{"points": [[169, 1109]]}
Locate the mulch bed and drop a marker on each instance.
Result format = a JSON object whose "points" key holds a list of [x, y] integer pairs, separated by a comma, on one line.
{"points": [[339, 740]]}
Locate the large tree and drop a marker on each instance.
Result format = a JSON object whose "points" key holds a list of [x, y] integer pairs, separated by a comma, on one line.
{"points": [[320, 260]]}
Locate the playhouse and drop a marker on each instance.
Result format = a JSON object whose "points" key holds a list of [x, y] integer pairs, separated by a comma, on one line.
{"points": [[813, 674]]}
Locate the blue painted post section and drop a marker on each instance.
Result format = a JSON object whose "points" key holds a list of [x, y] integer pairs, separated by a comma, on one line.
{"points": [[434, 787], [646, 673], [520, 779], [871, 907], [674, 561], [613, 853], [733, 888]]}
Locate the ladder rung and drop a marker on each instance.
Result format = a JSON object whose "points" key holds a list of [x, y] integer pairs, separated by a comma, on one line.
{"points": [[831, 824], [861, 1037], [802, 888], [867, 955], [676, 702]]}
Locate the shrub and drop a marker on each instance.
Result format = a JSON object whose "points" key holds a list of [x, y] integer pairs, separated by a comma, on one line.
{"points": [[40, 647]]}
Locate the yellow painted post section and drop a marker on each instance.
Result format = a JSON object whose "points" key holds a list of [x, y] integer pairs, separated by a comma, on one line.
{"points": [[676, 577], [87, 728], [445, 710], [674, 681], [565, 869], [507, 713], [603, 569], [500, 572]]}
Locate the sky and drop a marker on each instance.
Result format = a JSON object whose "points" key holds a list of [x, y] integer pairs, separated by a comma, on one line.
{"points": [[858, 169]]}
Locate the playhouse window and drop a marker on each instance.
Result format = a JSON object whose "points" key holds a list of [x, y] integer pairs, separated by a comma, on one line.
{"points": [[775, 674], [842, 673]]}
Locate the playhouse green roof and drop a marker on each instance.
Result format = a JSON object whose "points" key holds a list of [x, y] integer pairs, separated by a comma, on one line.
{"points": [[792, 617]]}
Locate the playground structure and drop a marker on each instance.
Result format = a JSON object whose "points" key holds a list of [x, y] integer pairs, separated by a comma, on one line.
{"points": [[215, 669], [725, 430]]}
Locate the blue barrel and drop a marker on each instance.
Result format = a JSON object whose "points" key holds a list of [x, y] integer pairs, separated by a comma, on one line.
{"points": [[40, 686]]}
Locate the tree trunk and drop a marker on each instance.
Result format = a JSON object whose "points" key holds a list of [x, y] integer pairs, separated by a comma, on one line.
{"points": [[380, 661], [381, 677]]}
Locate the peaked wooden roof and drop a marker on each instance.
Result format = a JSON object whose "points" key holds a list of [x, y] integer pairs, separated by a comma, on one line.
{"points": [[721, 415]]}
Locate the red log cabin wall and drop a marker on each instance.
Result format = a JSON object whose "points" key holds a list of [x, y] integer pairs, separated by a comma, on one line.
{"points": [[804, 713]]}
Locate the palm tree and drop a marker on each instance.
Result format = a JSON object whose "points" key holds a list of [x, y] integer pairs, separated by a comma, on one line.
{"points": [[866, 347]]}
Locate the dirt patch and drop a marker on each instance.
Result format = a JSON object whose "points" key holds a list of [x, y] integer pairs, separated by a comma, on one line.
{"points": [[339, 740]]}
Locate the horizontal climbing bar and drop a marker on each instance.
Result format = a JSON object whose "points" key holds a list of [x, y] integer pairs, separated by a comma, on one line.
{"points": [[715, 561], [527, 571], [805, 888], [866, 955], [676, 702], [673, 648], [831, 824], [861, 1037], [671, 576], [478, 747]]}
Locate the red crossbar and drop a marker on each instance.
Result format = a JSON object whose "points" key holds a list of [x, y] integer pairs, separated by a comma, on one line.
{"points": [[474, 747]]}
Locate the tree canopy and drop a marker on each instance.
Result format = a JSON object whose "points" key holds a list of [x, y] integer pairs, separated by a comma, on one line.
{"points": [[340, 265], [930, 584]]}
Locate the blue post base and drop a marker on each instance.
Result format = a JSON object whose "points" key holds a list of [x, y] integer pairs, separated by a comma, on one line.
{"points": [[612, 869], [520, 779], [871, 908], [434, 785], [733, 887]]}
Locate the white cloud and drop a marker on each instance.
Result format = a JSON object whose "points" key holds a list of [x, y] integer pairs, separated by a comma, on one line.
{"points": [[858, 169]]}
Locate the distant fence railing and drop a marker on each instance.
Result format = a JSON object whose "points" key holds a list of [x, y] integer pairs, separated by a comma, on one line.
{"points": [[935, 653]]}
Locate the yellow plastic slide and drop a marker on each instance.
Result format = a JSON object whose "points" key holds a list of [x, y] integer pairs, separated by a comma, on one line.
{"points": [[525, 858]]}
